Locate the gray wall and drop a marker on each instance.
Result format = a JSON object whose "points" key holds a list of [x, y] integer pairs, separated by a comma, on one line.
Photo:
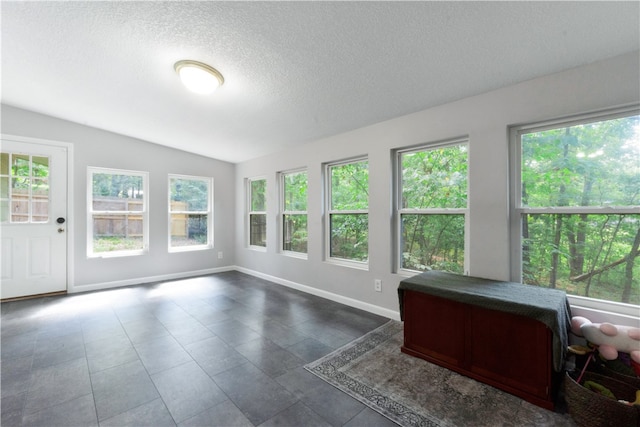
{"points": [[94, 147], [485, 119]]}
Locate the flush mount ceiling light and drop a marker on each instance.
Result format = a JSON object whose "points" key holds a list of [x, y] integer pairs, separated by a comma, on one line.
{"points": [[198, 77]]}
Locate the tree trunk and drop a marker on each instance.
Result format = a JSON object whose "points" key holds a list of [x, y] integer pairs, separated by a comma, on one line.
{"points": [[577, 249], [526, 248], [628, 272], [562, 201], [555, 256]]}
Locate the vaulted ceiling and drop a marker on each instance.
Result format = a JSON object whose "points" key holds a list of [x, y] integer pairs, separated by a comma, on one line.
{"points": [[294, 71]]}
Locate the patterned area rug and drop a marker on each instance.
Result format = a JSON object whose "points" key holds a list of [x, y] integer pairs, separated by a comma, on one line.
{"points": [[413, 392]]}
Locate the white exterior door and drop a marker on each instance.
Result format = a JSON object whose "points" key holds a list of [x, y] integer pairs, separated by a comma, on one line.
{"points": [[33, 219]]}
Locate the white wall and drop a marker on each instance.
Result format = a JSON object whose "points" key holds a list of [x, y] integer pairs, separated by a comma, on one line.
{"points": [[94, 147], [485, 119]]}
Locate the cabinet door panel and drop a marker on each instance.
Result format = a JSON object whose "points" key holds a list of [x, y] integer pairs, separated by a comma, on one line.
{"points": [[511, 349], [435, 327]]}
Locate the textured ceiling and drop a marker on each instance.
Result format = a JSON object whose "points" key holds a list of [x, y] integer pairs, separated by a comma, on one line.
{"points": [[294, 71]]}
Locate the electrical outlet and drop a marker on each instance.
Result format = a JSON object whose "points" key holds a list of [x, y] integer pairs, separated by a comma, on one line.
{"points": [[377, 285], [220, 255]]}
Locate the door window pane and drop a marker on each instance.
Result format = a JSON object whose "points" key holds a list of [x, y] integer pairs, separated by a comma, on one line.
{"points": [[24, 188]]}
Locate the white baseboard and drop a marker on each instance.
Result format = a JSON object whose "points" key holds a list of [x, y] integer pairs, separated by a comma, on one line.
{"points": [[149, 279], [381, 311], [577, 310]]}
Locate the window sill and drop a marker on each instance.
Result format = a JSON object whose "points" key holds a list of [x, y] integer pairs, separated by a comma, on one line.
{"points": [[292, 254], [118, 254], [359, 265], [190, 248]]}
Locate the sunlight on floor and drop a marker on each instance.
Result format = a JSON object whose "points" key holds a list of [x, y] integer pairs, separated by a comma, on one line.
{"points": [[74, 305]]}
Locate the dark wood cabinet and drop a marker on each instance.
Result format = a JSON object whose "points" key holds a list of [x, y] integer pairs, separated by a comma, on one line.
{"points": [[509, 351]]}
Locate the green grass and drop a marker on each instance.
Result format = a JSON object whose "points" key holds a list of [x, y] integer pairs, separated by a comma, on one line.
{"points": [[116, 243]]}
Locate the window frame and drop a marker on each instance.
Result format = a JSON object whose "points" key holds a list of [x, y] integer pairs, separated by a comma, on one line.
{"points": [[284, 212], [399, 210], [209, 213], [91, 170], [516, 209], [329, 211], [250, 212]]}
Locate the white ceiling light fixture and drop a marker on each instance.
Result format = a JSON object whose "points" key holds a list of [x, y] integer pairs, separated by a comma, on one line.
{"points": [[198, 77]]}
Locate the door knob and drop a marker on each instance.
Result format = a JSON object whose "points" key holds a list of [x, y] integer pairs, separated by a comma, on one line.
{"points": [[60, 220], [60, 230]]}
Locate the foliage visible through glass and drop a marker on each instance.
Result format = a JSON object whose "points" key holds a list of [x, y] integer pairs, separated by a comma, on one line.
{"points": [[116, 186], [594, 164], [189, 205], [435, 178], [433, 242], [591, 252], [259, 195], [295, 233], [295, 191], [350, 236], [258, 230], [432, 180], [258, 216], [350, 186], [294, 225], [348, 219]]}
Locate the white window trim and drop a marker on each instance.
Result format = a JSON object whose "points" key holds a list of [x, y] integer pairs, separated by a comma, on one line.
{"points": [[515, 148], [90, 212], [209, 212], [361, 265], [250, 212], [399, 210], [283, 212]]}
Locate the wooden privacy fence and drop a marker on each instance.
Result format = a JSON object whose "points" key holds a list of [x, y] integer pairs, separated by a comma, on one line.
{"points": [[21, 204], [130, 224], [117, 224], [179, 221], [104, 224]]}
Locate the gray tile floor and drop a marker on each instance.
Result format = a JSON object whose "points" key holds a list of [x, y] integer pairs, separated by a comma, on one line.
{"points": [[221, 350]]}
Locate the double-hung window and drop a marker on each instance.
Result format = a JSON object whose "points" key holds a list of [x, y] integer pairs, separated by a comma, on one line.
{"points": [[257, 192], [348, 211], [576, 208], [432, 207], [190, 213], [118, 215], [294, 211]]}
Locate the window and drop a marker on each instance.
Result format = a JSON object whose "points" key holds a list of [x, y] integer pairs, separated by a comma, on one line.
{"points": [[294, 211], [257, 212], [24, 188], [117, 213], [348, 214], [577, 207], [432, 207], [190, 213]]}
